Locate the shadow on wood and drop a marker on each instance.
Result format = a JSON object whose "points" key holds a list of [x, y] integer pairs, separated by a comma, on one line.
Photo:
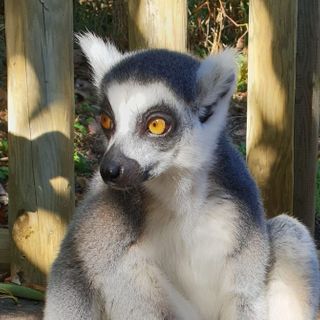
{"points": [[39, 39], [39, 225], [145, 17], [283, 101]]}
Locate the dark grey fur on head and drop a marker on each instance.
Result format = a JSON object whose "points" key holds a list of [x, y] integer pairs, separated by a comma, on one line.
{"points": [[175, 69]]}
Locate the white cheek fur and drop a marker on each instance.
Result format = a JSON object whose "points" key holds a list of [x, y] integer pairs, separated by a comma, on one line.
{"points": [[129, 101], [196, 149]]}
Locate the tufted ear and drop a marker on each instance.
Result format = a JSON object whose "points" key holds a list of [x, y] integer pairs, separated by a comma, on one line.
{"points": [[101, 55], [216, 78]]}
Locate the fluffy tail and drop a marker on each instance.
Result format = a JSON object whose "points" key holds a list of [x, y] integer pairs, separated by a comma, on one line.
{"points": [[294, 281]]}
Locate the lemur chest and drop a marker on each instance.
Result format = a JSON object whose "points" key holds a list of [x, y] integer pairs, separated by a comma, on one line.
{"points": [[191, 248]]}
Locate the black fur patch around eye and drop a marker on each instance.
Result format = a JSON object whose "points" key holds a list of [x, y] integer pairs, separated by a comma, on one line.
{"points": [[206, 112], [167, 141], [105, 107]]}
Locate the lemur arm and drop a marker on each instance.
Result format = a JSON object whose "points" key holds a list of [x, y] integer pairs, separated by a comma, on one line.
{"points": [[241, 307], [247, 300], [68, 295], [136, 289], [103, 273]]}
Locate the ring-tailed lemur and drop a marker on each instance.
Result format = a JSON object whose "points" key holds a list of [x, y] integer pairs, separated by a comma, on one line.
{"points": [[173, 227]]}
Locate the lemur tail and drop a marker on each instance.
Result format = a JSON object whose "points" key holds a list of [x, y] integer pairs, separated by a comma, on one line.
{"points": [[294, 281]]}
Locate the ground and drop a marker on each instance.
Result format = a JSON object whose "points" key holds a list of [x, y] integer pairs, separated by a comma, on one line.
{"points": [[24, 310]]}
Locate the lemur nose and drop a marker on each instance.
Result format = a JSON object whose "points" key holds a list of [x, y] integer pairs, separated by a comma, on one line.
{"points": [[110, 171], [119, 171]]}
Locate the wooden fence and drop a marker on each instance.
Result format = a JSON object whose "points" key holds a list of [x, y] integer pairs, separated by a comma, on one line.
{"points": [[283, 112], [39, 38]]}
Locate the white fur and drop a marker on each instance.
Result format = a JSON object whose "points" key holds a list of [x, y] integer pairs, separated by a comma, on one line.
{"points": [[190, 240], [144, 276], [214, 76], [287, 298], [101, 55], [129, 101], [202, 141], [181, 225], [188, 255], [288, 287]]}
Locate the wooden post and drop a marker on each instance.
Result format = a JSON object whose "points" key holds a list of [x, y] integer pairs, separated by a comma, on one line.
{"points": [[4, 250], [40, 122], [283, 104], [158, 24], [307, 111], [120, 28], [271, 100]]}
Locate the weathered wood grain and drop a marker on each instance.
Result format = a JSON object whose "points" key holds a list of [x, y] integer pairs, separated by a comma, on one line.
{"points": [[271, 100], [40, 122], [4, 249], [158, 24], [120, 30], [307, 104]]}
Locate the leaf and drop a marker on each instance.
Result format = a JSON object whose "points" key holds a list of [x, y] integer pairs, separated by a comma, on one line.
{"points": [[81, 128], [4, 146], [15, 290], [4, 172], [81, 164], [6, 294]]}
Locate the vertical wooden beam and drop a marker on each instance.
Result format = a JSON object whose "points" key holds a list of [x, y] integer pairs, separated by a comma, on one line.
{"points": [[120, 30], [158, 24], [271, 100], [4, 250], [40, 111], [307, 106]]}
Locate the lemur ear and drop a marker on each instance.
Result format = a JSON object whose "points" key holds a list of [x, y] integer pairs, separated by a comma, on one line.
{"points": [[216, 78], [101, 55]]}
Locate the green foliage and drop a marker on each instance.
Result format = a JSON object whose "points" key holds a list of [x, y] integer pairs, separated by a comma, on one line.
{"points": [[12, 290], [81, 164], [3, 148], [93, 15], [2, 52], [85, 116], [80, 128], [4, 172], [242, 148], [85, 108], [213, 25], [242, 72]]}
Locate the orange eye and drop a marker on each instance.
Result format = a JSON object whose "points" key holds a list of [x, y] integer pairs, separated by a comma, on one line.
{"points": [[106, 122], [157, 126]]}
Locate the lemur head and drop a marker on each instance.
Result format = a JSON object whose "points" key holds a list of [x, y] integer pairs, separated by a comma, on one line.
{"points": [[160, 110]]}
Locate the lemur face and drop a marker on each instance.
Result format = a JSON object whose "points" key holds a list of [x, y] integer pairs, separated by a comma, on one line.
{"points": [[159, 109], [145, 126]]}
